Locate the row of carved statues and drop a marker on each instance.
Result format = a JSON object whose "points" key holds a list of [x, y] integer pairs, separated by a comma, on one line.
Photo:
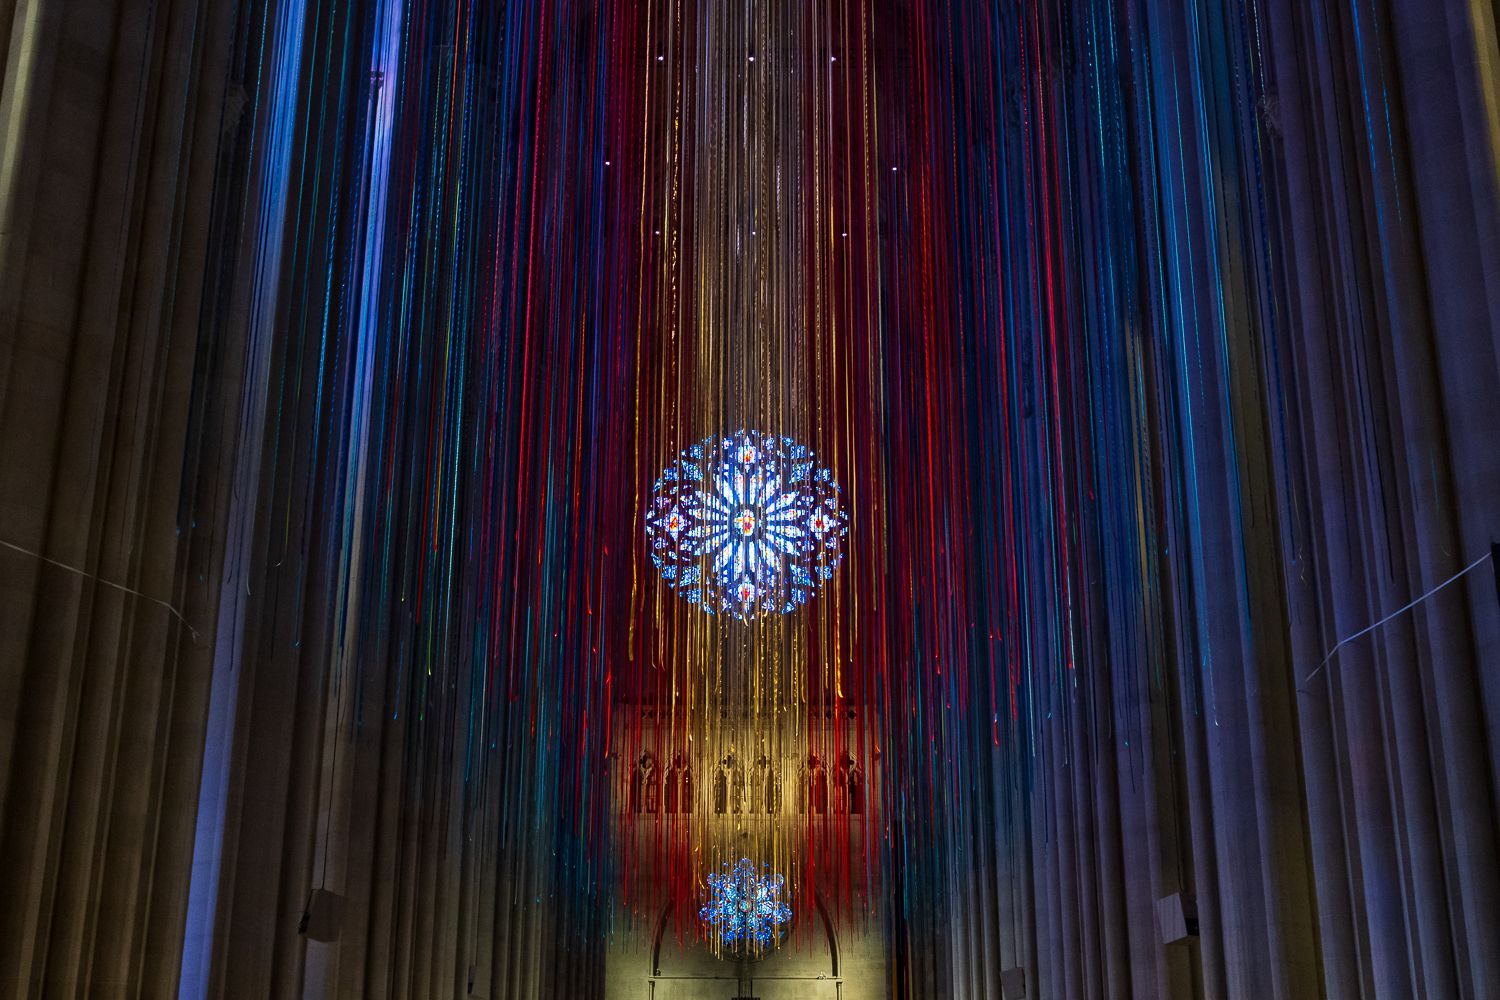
{"points": [[738, 789]]}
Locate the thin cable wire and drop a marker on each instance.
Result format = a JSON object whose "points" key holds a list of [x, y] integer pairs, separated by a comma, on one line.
{"points": [[1394, 614], [108, 583]]}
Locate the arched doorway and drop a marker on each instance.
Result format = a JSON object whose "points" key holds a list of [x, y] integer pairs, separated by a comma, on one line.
{"points": [[802, 970]]}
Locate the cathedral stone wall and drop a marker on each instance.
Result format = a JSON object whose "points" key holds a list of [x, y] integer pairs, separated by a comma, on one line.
{"points": [[1201, 298]]}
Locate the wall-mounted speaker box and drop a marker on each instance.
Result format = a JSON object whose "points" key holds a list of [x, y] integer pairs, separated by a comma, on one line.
{"points": [[324, 913], [1177, 918], [1013, 983]]}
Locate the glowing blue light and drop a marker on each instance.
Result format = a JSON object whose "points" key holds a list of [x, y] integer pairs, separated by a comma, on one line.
{"points": [[746, 524], [745, 906]]}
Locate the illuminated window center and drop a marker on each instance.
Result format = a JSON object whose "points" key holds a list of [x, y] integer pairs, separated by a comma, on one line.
{"points": [[746, 525]]}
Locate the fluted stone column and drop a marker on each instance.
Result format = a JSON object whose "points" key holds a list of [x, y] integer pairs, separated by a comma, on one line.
{"points": [[110, 518]]}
